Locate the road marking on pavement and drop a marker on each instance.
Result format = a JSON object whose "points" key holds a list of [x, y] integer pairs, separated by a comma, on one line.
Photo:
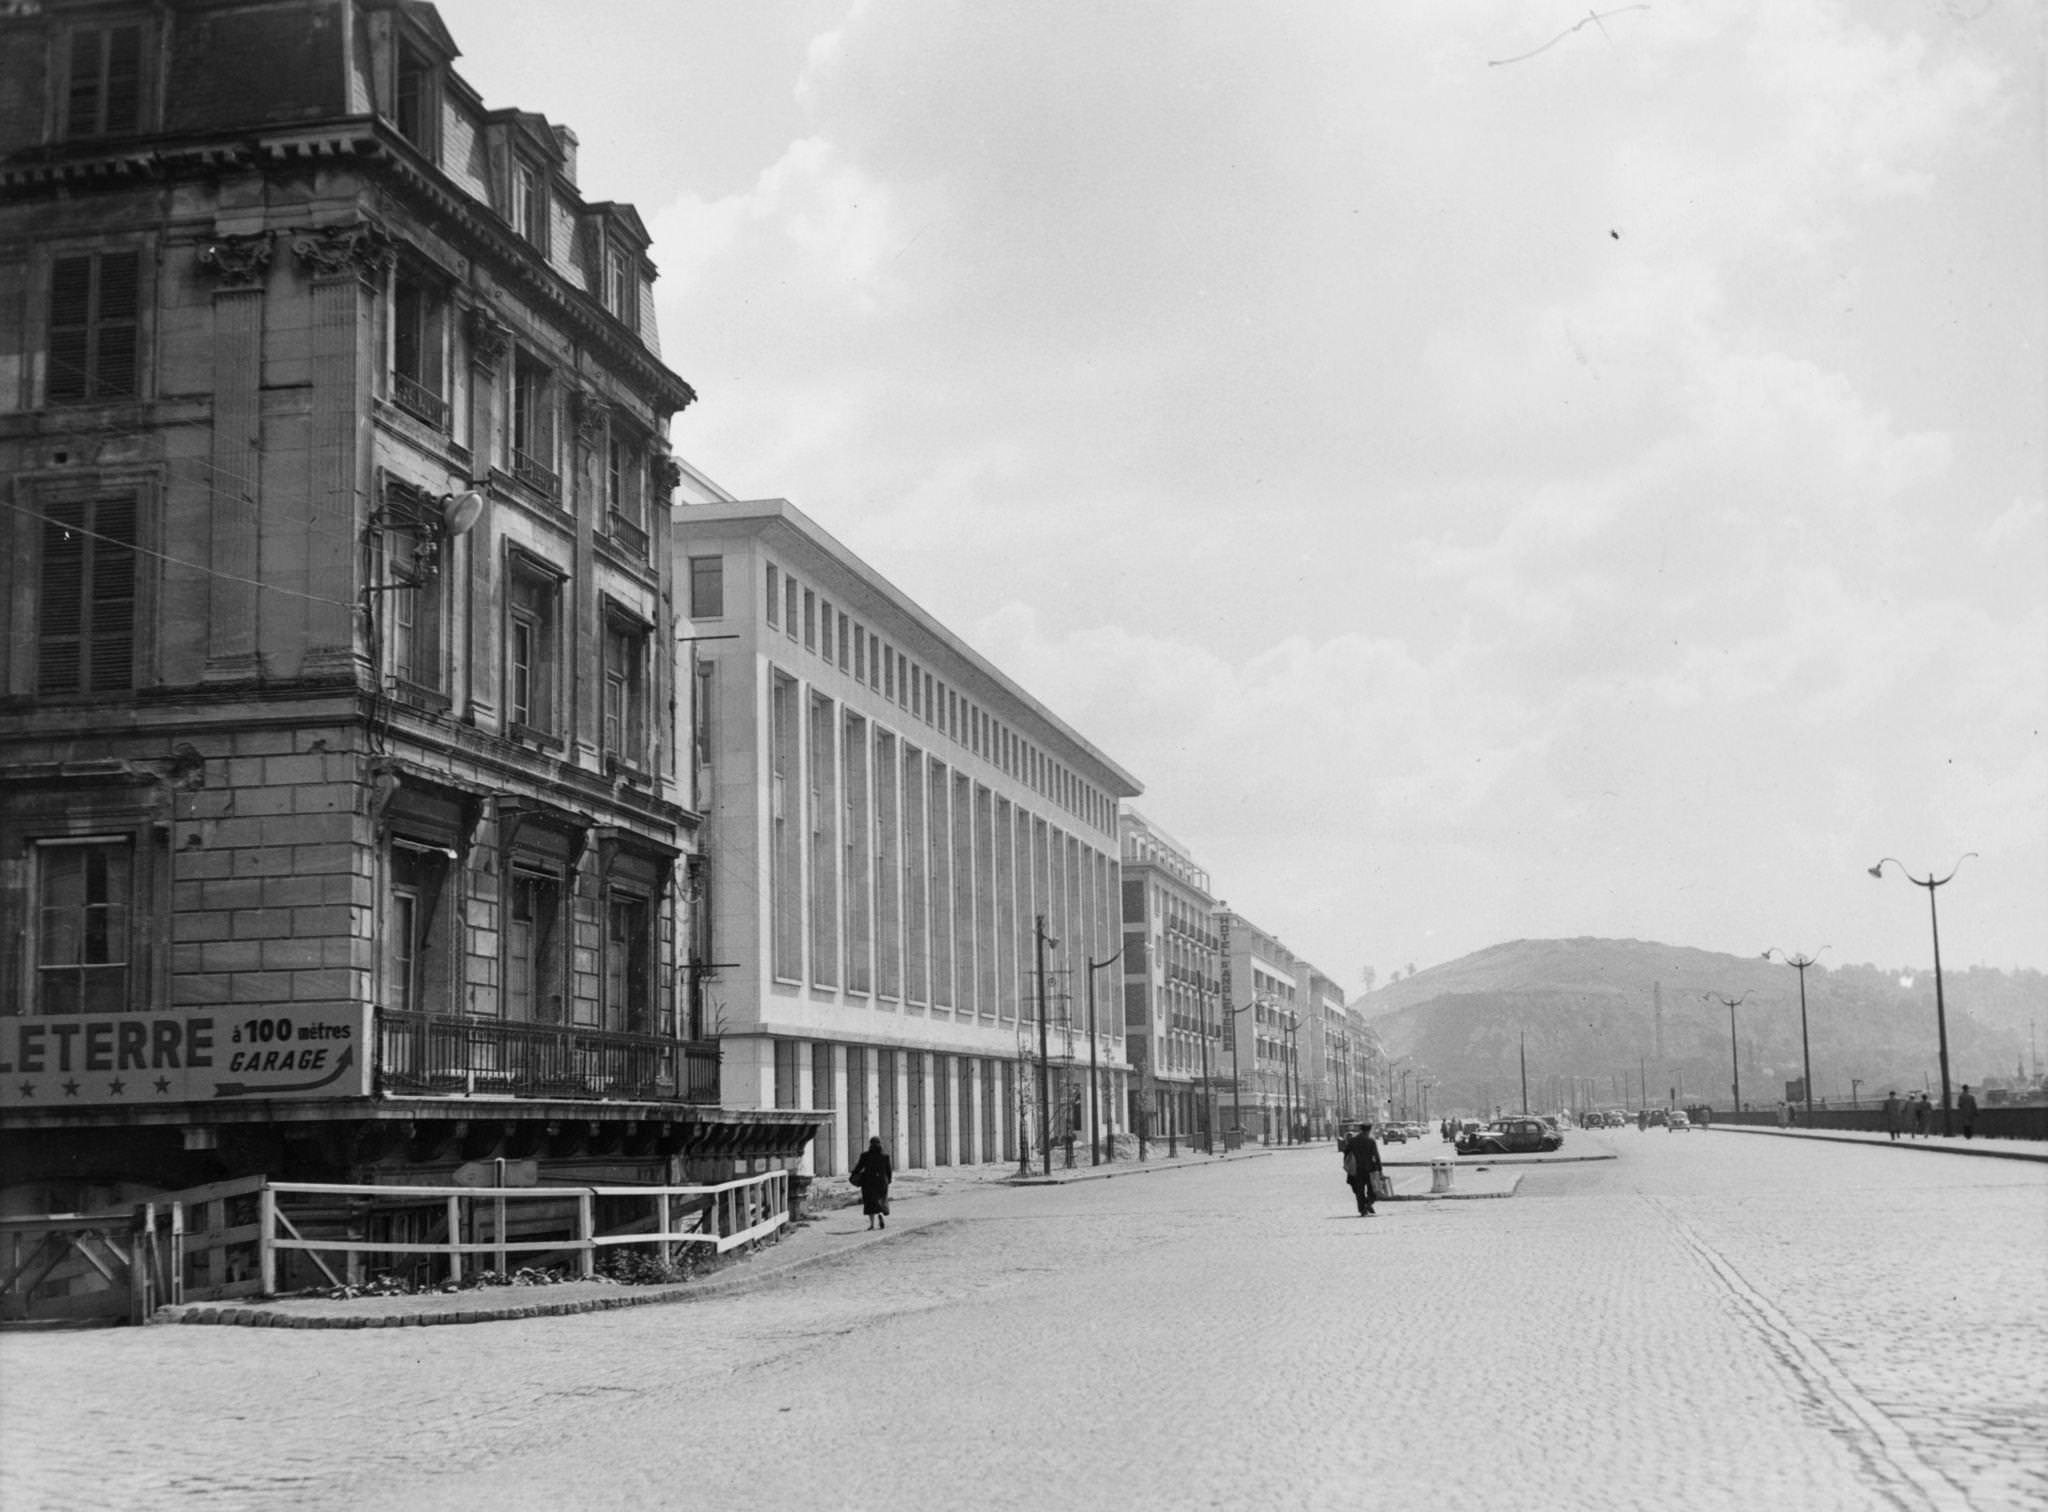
{"points": [[1888, 1449]]}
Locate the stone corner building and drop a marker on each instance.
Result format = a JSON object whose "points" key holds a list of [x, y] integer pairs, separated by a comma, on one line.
{"points": [[342, 832]]}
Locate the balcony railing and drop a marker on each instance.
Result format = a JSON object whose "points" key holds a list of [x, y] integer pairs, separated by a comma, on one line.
{"points": [[424, 1053], [416, 398], [535, 474]]}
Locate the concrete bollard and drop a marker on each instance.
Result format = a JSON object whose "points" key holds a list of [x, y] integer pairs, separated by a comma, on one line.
{"points": [[1440, 1175]]}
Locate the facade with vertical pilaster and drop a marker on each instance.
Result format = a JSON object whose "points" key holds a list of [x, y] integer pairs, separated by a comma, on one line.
{"points": [[887, 819]]}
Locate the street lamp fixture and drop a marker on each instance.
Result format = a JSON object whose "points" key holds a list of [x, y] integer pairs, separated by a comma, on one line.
{"points": [[1799, 963], [1734, 1052], [1931, 882]]}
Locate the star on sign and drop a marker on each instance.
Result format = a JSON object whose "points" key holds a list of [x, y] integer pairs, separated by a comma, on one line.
{"points": [[115, 1086], [71, 1089], [163, 1084]]}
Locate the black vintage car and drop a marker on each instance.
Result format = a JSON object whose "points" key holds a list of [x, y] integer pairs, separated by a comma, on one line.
{"points": [[1511, 1136]]}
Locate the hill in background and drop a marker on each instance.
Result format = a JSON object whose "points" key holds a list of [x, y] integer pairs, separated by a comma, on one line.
{"points": [[1614, 1014]]}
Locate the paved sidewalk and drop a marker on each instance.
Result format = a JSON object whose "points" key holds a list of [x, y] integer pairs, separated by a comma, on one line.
{"points": [[831, 1227], [1939, 1144]]}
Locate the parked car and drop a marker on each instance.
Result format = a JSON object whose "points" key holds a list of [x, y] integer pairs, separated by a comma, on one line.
{"points": [[1511, 1136], [1393, 1133], [1676, 1121]]}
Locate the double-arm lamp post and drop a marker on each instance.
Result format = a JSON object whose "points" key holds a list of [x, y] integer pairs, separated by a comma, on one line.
{"points": [[1799, 963], [1931, 882], [1734, 1050]]}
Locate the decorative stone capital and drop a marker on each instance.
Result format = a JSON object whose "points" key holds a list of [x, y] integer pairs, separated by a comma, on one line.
{"points": [[237, 262], [592, 416], [362, 251], [665, 474], [489, 337]]}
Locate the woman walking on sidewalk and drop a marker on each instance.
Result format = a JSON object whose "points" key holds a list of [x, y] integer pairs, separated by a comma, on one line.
{"points": [[1891, 1115], [871, 1173]]}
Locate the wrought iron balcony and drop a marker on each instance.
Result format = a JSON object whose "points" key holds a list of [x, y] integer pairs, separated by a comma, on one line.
{"points": [[415, 398], [536, 474], [432, 1054]]}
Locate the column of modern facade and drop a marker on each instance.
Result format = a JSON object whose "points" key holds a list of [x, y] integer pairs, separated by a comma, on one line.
{"points": [[887, 818], [1172, 984]]}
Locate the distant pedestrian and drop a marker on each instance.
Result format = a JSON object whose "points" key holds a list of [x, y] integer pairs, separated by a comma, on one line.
{"points": [[1784, 1114], [1893, 1115], [872, 1174], [1361, 1164], [1966, 1110], [1922, 1112]]}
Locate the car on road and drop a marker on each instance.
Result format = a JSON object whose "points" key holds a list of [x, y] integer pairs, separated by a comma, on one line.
{"points": [[1511, 1136], [1676, 1121], [1393, 1133]]}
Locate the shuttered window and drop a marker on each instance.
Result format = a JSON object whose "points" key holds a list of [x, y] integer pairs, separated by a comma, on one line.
{"points": [[104, 97], [94, 308], [85, 627]]}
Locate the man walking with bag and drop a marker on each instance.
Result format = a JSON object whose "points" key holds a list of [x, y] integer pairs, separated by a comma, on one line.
{"points": [[1361, 1167]]}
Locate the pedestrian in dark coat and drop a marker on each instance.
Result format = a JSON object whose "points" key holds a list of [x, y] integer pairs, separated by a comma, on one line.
{"points": [[1921, 1111], [1966, 1110], [1361, 1160], [1892, 1115], [872, 1173]]}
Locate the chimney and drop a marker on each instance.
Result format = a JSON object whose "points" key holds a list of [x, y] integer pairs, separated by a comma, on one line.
{"points": [[566, 140]]}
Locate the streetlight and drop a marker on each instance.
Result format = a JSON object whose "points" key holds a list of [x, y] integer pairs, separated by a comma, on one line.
{"points": [[1094, 1080], [1931, 882], [1290, 1080], [1799, 963], [1734, 1054]]}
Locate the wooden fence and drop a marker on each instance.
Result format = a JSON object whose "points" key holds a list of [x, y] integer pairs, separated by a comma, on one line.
{"points": [[249, 1237]]}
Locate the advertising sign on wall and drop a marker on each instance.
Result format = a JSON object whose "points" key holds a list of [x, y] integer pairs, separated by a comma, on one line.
{"points": [[214, 1055]]}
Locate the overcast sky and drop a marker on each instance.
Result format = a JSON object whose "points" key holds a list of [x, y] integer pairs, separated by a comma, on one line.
{"points": [[1487, 480]]}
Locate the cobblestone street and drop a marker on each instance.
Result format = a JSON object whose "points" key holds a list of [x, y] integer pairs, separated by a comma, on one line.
{"points": [[1707, 1321]]}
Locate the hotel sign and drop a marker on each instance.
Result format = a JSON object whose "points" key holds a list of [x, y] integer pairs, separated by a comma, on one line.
{"points": [[221, 1055]]}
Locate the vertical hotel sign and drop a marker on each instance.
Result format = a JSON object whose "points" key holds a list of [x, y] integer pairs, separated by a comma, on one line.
{"points": [[223, 1055]]}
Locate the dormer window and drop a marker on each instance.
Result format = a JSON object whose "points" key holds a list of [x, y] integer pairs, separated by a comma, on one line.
{"points": [[620, 285], [416, 100], [530, 203]]}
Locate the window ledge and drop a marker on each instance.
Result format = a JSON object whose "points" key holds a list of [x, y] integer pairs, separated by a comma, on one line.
{"points": [[527, 735]]}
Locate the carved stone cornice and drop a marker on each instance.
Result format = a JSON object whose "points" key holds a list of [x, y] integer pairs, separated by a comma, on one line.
{"points": [[362, 250], [237, 262], [489, 337]]}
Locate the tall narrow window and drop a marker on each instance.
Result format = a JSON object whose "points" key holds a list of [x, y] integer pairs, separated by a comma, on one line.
{"points": [[620, 284], [85, 616], [416, 104], [628, 995], [82, 925], [95, 325], [419, 346], [530, 203], [531, 650], [103, 95], [774, 595], [416, 955], [414, 610], [533, 961], [625, 691], [532, 438]]}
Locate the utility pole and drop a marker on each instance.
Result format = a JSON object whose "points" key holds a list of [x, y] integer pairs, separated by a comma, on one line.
{"points": [[1044, 1050], [1525, 1071]]}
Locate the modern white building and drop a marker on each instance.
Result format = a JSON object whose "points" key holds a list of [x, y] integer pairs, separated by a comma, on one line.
{"points": [[887, 819]]}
